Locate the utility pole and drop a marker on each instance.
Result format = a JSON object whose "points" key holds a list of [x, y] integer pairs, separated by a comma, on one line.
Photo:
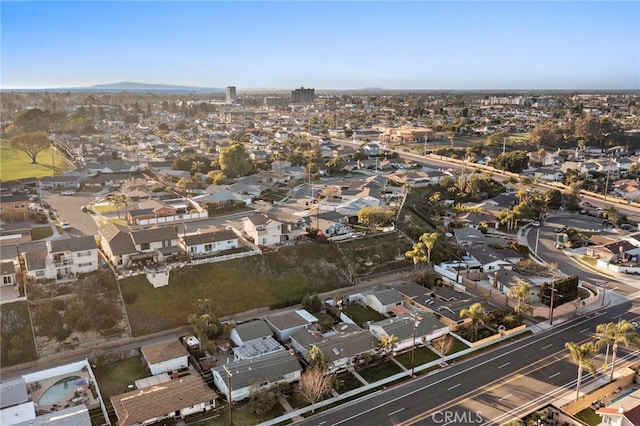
{"points": [[230, 401], [553, 289], [606, 185], [537, 238], [604, 291]]}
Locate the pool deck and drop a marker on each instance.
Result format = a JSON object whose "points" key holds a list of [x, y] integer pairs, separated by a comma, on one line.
{"points": [[77, 395]]}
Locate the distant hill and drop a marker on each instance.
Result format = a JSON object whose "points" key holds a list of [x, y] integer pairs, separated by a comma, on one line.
{"points": [[139, 87]]}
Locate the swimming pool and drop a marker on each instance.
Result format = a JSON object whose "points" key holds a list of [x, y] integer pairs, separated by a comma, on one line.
{"points": [[60, 390], [619, 397]]}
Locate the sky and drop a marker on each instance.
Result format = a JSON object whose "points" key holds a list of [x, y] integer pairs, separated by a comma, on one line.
{"points": [[417, 45]]}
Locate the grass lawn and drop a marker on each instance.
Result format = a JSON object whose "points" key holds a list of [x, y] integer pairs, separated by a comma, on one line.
{"points": [[458, 345], [115, 377], [349, 382], [361, 314], [589, 416], [16, 164], [380, 371], [273, 197], [275, 279], [423, 356], [17, 339], [104, 208], [244, 417], [41, 232]]}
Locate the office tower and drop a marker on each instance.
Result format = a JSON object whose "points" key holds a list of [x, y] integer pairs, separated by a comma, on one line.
{"points": [[230, 94], [303, 96]]}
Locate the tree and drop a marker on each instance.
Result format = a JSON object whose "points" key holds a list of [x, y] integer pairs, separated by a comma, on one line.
{"points": [[477, 314], [605, 336], [622, 332], [521, 293], [312, 303], [204, 323], [582, 355], [514, 161], [117, 200], [197, 167], [316, 358], [443, 344], [421, 251], [612, 214], [30, 143], [553, 198], [374, 216], [387, 344], [315, 384], [262, 399], [235, 161]]}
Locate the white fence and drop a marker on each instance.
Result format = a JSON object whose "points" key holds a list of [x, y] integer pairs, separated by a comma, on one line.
{"points": [[172, 219], [453, 277], [225, 257]]}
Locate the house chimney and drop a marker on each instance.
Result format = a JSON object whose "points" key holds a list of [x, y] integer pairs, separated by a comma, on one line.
{"points": [[495, 279]]}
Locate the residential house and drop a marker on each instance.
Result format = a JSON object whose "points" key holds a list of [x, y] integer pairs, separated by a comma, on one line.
{"points": [[347, 350], [403, 327], [153, 209], [208, 241], [264, 371], [622, 411], [172, 399], [117, 245], [13, 233], [617, 249], [548, 174], [257, 347], [468, 236], [285, 324], [475, 220], [263, 230], [503, 279], [501, 202], [14, 207], [492, 259], [55, 182], [371, 148], [165, 357], [423, 178], [8, 273], [251, 330], [383, 301], [627, 189], [222, 198], [156, 244], [68, 257]]}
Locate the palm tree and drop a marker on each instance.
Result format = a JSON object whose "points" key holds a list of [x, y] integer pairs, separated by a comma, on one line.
{"points": [[316, 358], [623, 332], [477, 314], [421, 251], [604, 335], [582, 355], [521, 293], [118, 200], [388, 344]]}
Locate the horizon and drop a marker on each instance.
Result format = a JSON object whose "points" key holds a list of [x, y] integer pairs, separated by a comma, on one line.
{"points": [[329, 46]]}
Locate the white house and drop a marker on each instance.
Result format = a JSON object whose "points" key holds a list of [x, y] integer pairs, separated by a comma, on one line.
{"points": [[426, 329], [208, 241], [247, 331], [263, 230], [285, 324], [71, 256], [346, 350], [381, 301], [165, 357], [263, 371]]}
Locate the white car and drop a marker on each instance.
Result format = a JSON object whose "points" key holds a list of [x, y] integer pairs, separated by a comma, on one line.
{"points": [[65, 226], [535, 223], [67, 193]]}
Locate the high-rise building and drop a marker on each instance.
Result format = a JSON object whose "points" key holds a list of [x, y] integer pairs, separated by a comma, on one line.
{"points": [[303, 96], [230, 94]]}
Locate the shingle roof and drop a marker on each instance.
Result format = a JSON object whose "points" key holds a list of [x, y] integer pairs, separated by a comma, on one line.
{"points": [[347, 345], [164, 351], [288, 320], [154, 235], [13, 198], [402, 327], [7, 268], [272, 367], [118, 239], [387, 296], [152, 402], [35, 260], [74, 244], [252, 330], [209, 237]]}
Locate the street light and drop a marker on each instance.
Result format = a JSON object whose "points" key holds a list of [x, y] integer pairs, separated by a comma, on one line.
{"points": [[604, 290], [416, 317]]}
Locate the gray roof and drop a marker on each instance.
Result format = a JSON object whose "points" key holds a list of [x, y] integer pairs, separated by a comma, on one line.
{"points": [[272, 367], [252, 330], [77, 415], [347, 345], [118, 239], [154, 235], [387, 296], [35, 260], [74, 244], [209, 237], [412, 290], [7, 268], [289, 320], [402, 326], [14, 198], [486, 255], [13, 393]]}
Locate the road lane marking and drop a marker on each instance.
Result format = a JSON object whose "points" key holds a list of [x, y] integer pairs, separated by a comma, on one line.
{"points": [[545, 347], [554, 375], [505, 397], [395, 412], [455, 386], [586, 329], [505, 364]]}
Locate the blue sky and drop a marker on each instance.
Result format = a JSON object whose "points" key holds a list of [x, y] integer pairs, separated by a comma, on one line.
{"points": [[325, 45]]}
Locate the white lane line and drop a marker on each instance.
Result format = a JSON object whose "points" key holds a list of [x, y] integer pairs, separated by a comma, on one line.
{"points": [[554, 375], [453, 387], [545, 347], [395, 412], [505, 397], [586, 329], [505, 364]]}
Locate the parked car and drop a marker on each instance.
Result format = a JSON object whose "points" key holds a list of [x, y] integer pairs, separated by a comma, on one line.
{"points": [[84, 208], [628, 227], [535, 223], [67, 193], [65, 226]]}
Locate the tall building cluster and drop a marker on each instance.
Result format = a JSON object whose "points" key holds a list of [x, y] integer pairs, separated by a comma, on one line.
{"points": [[303, 96]]}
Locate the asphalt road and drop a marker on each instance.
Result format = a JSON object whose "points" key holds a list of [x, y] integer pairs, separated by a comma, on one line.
{"points": [[69, 208], [491, 388]]}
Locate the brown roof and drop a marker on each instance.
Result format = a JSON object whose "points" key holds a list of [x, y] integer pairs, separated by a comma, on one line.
{"points": [[164, 351], [155, 401], [154, 235], [118, 239]]}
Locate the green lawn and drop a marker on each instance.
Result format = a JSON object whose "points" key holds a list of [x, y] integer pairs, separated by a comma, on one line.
{"points": [[275, 279], [106, 208], [17, 339], [458, 345], [349, 382], [16, 164], [423, 356], [380, 371], [589, 416], [242, 416], [41, 232], [361, 314], [115, 377]]}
